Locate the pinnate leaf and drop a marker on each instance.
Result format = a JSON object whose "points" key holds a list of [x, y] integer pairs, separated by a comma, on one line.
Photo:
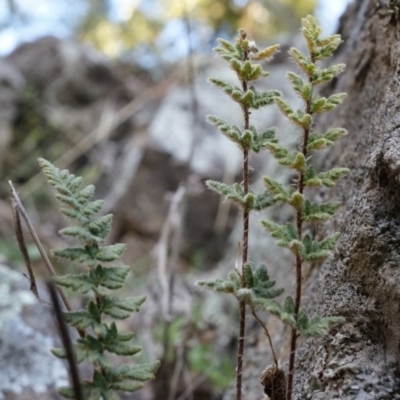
{"points": [[314, 250], [77, 282], [316, 326], [121, 308], [263, 285], [328, 178], [319, 212], [286, 235], [127, 385]]}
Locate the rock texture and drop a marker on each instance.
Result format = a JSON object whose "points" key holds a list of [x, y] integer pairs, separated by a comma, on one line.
{"points": [[362, 280], [28, 369]]}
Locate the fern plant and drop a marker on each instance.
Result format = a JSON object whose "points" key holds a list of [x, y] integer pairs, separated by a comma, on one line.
{"points": [[246, 282], [293, 235], [99, 335], [253, 287]]}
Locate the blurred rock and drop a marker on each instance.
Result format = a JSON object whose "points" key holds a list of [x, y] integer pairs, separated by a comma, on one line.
{"points": [[73, 80], [11, 85], [27, 366], [139, 142]]}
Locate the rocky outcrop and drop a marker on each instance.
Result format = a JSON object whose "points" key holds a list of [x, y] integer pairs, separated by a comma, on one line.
{"points": [[361, 281], [27, 366]]}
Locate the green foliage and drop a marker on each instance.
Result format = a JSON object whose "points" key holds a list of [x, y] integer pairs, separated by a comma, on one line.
{"points": [[101, 277], [242, 57], [250, 139], [125, 378], [318, 142], [258, 285], [109, 277], [291, 235], [251, 98], [300, 118], [321, 104], [254, 287], [316, 326], [293, 159], [286, 313], [236, 194], [247, 285], [328, 178], [314, 212], [287, 236], [200, 353]]}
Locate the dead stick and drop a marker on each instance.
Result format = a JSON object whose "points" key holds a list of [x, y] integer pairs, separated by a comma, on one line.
{"points": [[22, 246], [19, 208], [66, 340]]}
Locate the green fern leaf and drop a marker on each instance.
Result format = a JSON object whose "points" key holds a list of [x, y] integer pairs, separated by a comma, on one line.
{"points": [[248, 275], [121, 308], [109, 395], [67, 392], [112, 277], [141, 372], [127, 386], [122, 348]]}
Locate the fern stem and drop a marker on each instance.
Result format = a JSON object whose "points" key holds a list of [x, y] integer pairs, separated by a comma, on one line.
{"points": [[66, 340], [299, 264], [253, 311], [248, 286], [245, 243], [239, 368]]}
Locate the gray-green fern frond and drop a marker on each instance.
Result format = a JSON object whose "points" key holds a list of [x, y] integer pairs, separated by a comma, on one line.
{"points": [[101, 276]]}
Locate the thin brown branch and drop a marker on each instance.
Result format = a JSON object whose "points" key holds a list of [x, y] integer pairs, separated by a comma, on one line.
{"points": [[22, 246], [299, 262], [240, 352], [293, 339], [245, 242], [66, 340], [19, 208], [253, 311]]}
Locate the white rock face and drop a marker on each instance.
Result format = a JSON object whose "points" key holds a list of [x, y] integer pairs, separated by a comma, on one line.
{"points": [[26, 362], [173, 131], [177, 131], [11, 301]]}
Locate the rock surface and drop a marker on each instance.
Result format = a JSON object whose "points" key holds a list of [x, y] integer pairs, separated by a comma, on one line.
{"points": [[362, 280], [27, 366]]}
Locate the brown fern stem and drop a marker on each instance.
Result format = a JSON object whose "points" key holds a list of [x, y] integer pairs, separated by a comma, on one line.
{"points": [[239, 367], [245, 243], [298, 266]]}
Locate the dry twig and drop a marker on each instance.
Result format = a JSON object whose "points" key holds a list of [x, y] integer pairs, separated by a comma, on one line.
{"points": [[66, 340], [19, 210]]}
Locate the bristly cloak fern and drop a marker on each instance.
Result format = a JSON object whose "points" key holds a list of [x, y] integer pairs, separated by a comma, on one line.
{"points": [[100, 336], [252, 287], [292, 235], [246, 283]]}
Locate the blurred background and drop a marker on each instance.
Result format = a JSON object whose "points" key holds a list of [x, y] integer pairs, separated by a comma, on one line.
{"points": [[116, 91], [153, 31]]}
